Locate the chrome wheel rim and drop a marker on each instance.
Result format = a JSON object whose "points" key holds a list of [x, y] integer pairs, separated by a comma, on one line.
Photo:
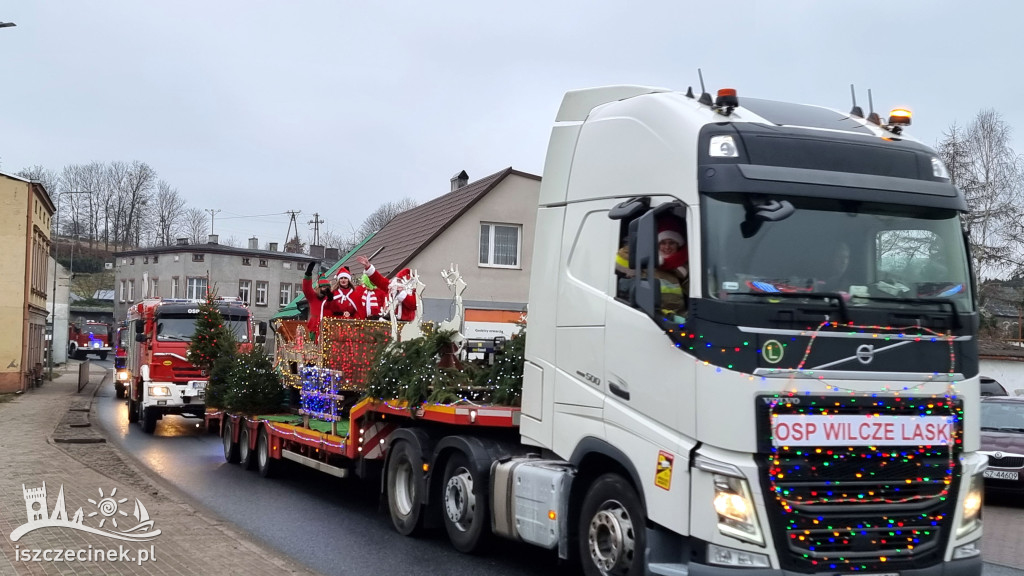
{"points": [[611, 538]]}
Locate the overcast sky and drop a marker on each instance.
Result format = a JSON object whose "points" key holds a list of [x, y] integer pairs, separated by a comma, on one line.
{"points": [[335, 106]]}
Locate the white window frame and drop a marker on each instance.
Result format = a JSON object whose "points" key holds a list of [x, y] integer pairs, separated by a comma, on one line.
{"points": [[122, 293], [174, 287], [154, 287], [246, 287], [262, 292], [131, 290], [490, 245], [285, 295], [192, 287]]}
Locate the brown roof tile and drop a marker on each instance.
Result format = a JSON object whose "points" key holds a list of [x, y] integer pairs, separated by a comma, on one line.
{"points": [[409, 232]]}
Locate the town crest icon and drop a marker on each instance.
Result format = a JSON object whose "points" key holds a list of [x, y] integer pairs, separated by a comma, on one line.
{"points": [[109, 519]]}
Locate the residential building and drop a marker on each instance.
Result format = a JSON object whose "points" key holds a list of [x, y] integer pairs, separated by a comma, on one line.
{"points": [[266, 280], [486, 228], [26, 211]]}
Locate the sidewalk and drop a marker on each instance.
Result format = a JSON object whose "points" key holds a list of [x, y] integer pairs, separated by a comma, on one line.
{"points": [[45, 437]]}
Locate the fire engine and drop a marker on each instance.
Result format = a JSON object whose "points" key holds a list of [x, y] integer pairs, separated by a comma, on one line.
{"points": [[88, 337]]}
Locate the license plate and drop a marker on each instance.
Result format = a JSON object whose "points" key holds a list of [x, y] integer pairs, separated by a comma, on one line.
{"points": [[860, 430], [196, 388], [1001, 474]]}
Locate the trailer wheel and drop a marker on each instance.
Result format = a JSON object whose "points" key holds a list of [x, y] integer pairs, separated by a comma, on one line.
{"points": [[464, 499], [230, 447], [267, 466], [147, 419], [405, 488], [246, 457], [133, 411], [72, 350], [612, 529]]}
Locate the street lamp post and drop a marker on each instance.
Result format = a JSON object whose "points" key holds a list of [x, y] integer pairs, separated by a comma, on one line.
{"points": [[53, 304]]}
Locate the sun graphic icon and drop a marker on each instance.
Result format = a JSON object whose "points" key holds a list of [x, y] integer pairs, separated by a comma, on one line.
{"points": [[107, 507]]}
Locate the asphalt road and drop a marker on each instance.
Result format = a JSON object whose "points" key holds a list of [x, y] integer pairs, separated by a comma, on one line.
{"points": [[331, 525], [334, 526]]}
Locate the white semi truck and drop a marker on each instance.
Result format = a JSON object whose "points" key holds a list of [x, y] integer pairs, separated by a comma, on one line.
{"points": [[799, 395]]}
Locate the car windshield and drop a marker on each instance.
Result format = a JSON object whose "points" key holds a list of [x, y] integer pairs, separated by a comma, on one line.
{"points": [[1002, 416], [181, 327], [874, 252]]}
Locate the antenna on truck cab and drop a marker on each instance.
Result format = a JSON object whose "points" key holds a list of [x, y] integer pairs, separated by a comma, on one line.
{"points": [[873, 117], [705, 98], [856, 110]]}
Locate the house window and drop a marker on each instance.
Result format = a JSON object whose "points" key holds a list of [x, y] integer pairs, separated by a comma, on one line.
{"points": [[286, 294], [261, 292], [177, 257], [120, 297], [297, 289], [124, 260], [263, 263], [131, 261], [244, 289], [198, 257], [246, 262], [131, 290], [499, 245], [145, 259], [196, 289], [174, 287], [154, 287], [156, 259], [287, 265]]}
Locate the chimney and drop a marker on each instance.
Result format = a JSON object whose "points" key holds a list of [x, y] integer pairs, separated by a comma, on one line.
{"points": [[316, 251], [254, 243], [459, 180], [213, 239], [272, 247], [332, 254], [182, 242]]}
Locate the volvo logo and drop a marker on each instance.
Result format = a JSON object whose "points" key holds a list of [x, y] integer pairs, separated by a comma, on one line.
{"points": [[865, 353]]}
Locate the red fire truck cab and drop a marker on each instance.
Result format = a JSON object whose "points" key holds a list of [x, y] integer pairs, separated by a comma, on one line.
{"points": [[88, 337]]}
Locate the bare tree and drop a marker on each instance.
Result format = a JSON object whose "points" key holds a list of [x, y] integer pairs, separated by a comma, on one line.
{"points": [[133, 184], [333, 239], [381, 216], [232, 241], [197, 225], [50, 181], [991, 175], [169, 212]]}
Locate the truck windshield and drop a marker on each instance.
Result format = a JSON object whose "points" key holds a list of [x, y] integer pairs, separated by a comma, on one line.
{"points": [[875, 253], [181, 327]]}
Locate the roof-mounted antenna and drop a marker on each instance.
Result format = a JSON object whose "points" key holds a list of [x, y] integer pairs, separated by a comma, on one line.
{"points": [[873, 117], [705, 98], [689, 92], [856, 110]]}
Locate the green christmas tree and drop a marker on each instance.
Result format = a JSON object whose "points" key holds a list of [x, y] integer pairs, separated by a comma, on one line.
{"points": [[253, 385], [212, 348]]}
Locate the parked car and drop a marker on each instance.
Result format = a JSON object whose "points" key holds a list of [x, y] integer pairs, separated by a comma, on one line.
{"points": [[1002, 440], [991, 387]]}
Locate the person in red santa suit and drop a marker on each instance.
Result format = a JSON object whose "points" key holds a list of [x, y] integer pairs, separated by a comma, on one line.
{"points": [[369, 298], [346, 295], [405, 309], [321, 301]]}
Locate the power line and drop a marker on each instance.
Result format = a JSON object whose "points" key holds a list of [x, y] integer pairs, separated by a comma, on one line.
{"points": [[253, 216], [212, 214], [293, 213], [316, 222]]}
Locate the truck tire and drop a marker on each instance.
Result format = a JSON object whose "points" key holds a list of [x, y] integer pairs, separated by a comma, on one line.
{"points": [[612, 529], [72, 350], [227, 429], [147, 419], [266, 465], [246, 456], [405, 487], [464, 502], [133, 411], [103, 355]]}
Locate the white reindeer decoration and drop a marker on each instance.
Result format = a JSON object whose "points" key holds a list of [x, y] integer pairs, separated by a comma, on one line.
{"points": [[411, 329], [458, 286]]}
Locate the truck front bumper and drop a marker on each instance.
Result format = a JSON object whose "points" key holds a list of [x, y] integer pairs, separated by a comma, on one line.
{"points": [[175, 398], [963, 567]]}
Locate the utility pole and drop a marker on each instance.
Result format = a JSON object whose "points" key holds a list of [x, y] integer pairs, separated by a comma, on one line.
{"points": [[291, 221], [212, 214], [316, 222]]}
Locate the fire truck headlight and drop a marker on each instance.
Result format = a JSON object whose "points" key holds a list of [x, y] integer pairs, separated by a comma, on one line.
{"points": [[122, 375], [159, 391], [737, 516], [971, 506]]}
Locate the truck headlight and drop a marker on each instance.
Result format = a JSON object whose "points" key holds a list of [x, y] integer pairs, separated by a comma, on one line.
{"points": [[159, 391], [970, 508], [122, 375], [737, 516]]}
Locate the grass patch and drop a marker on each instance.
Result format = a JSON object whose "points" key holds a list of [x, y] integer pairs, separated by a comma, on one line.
{"points": [[7, 397]]}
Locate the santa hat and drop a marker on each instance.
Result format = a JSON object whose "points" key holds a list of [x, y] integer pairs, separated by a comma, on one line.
{"points": [[668, 229], [343, 273], [323, 281], [404, 274]]}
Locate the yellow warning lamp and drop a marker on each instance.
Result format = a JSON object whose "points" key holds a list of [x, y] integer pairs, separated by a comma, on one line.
{"points": [[899, 117]]}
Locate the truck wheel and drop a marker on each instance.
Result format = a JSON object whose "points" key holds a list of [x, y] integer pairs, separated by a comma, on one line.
{"points": [[266, 465], [246, 457], [612, 529], [103, 355], [405, 488], [464, 500], [133, 411], [72, 350], [230, 447], [147, 419]]}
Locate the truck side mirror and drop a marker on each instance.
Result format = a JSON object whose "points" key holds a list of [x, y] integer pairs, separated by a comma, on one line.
{"points": [[261, 329], [140, 337], [261, 339], [139, 329], [643, 255]]}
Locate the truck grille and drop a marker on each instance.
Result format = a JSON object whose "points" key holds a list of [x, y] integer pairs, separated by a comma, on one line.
{"points": [[1006, 461], [856, 508]]}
